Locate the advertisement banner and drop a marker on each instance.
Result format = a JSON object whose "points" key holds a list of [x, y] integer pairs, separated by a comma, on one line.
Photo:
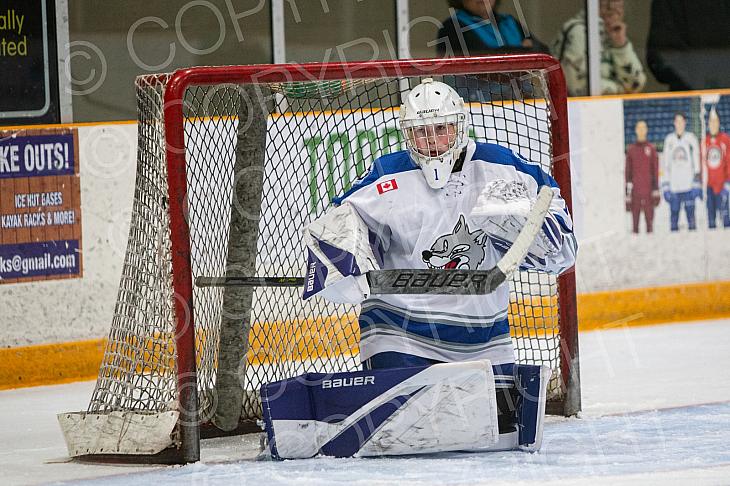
{"points": [[28, 62], [40, 205]]}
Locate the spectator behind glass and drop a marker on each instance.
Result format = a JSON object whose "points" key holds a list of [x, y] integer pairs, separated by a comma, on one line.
{"points": [[689, 43], [621, 70], [470, 31]]}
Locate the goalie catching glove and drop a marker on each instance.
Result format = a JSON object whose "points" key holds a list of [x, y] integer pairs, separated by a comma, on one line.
{"points": [[340, 251], [501, 211]]}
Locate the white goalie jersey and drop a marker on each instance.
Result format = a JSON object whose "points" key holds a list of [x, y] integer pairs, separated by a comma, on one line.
{"points": [[398, 221]]}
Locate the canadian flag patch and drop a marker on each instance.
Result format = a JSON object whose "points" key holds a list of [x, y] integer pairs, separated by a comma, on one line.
{"points": [[389, 185]]}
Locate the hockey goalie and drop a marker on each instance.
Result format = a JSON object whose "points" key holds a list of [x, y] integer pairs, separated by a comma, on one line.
{"points": [[439, 371]]}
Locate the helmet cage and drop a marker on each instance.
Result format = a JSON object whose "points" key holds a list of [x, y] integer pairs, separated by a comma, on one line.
{"points": [[432, 138]]}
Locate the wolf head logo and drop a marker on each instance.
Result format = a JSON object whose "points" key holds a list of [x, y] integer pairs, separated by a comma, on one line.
{"points": [[459, 249]]}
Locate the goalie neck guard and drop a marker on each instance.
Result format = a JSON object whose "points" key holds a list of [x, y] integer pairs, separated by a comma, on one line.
{"points": [[434, 122]]}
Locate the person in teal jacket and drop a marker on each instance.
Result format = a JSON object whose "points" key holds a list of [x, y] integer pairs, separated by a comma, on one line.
{"points": [[470, 31]]}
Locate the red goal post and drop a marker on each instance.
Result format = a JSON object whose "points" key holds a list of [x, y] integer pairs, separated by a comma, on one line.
{"points": [[174, 370]]}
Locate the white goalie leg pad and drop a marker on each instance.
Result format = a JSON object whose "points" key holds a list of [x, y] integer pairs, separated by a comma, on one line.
{"points": [[531, 382], [444, 407], [458, 410], [341, 249]]}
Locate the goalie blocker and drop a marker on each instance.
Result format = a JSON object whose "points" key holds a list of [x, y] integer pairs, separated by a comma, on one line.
{"points": [[467, 406]]}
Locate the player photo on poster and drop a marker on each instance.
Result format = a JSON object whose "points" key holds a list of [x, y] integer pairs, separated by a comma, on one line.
{"points": [[40, 205], [663, 168], [715, 118]]}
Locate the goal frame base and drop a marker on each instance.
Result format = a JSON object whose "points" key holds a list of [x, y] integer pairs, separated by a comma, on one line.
{"points": [[170, 455]]}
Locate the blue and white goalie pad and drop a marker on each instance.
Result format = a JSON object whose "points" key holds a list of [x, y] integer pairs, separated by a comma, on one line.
{"points": [[528, 386], [532, 382], [340, 250], [444, 407]]}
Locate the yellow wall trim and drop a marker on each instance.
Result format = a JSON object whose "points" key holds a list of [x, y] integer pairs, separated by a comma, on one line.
{"points": [[641, 307], [654, 95], [50, 364], [16, 128]]}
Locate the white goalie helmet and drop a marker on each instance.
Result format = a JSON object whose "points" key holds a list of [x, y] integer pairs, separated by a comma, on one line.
{"points": [[435, 125]]}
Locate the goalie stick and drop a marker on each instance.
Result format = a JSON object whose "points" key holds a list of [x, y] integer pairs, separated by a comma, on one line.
{"points": [[430, 281]]}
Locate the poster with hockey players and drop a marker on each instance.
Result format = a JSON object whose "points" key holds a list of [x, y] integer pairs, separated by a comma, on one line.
{"points": [[663, 167], [40, 205], [626, 185], [677, 163]]}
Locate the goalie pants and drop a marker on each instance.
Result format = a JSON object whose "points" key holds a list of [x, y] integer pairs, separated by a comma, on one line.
{"points": [[504, 378]]}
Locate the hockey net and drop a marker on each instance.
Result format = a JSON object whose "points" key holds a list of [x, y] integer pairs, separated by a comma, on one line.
{"points": [[232, 162]]}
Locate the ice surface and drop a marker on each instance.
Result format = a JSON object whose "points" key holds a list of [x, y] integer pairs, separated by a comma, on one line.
{"points": [[678, 439], [656, 406]]}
